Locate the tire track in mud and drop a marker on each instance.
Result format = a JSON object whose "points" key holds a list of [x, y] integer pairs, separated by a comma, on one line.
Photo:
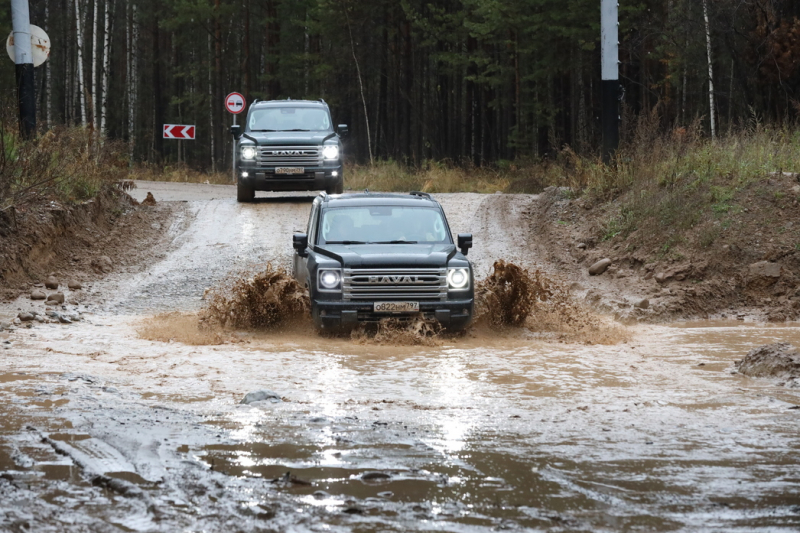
{"points": [[498, 223]]}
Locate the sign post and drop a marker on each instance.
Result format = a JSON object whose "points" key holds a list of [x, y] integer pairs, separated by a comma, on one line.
{"points": [[235, 104], [609, 51], [23, 58]]}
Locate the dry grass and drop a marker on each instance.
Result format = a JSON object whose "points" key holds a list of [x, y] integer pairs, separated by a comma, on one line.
{"points": [[64, 164]]}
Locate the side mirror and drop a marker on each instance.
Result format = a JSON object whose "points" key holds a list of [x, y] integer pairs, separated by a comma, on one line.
{"points": [[465, 242], [236, 131], [343, 131], [300, 243]]}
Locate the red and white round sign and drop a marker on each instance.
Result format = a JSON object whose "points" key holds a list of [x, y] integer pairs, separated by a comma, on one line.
{"points": [[234, 103]]}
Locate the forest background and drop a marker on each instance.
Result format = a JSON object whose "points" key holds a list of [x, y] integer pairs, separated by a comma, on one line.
{"points": [[475, 82]]}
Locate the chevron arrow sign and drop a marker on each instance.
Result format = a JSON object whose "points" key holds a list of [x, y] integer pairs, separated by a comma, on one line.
{"points": [[177, 131]]}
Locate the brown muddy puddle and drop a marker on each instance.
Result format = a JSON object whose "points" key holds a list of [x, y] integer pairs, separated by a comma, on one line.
{"points": [[654, 434]]}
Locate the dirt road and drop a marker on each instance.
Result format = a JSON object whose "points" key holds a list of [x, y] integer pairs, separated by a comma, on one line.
{"points": [[103, 430]]}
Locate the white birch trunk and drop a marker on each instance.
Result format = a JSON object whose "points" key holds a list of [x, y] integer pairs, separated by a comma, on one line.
{"points": [[93, 91], [81, 88], [710, 73], [106, 67], [133, 39]]}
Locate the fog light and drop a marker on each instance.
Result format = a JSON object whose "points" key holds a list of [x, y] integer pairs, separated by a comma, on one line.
{"points": [[334, 173], [245, 174]]}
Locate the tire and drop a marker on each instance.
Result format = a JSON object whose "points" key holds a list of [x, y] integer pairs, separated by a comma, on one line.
{"points": [[338, 187], [244, 193]]}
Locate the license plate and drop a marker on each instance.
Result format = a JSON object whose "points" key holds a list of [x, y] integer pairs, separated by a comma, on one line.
{"points": [[290, 170], [397, 307]]}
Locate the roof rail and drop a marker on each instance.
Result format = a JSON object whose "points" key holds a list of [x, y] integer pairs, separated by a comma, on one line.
{"points": [[421, 194], [323, 101], [325, 196]]}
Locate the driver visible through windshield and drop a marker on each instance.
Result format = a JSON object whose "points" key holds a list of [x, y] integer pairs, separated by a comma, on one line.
{"points": [[383, 225]]}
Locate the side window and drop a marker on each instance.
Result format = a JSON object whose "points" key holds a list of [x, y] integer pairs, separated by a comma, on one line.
{"points": [[312, 224]]}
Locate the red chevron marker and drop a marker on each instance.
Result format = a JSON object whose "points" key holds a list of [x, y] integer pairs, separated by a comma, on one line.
{"points": [[177, 131]]}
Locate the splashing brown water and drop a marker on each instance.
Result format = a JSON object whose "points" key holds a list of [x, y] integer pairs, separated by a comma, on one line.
{"points": [[419, 331], [516, 297], [510, 298], [260, 300]]}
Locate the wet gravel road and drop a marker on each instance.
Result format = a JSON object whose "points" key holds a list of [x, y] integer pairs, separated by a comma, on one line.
{"points": [[102, 430]]}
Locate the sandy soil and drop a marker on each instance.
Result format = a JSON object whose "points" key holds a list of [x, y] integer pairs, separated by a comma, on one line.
{"points": [[104, 430]]}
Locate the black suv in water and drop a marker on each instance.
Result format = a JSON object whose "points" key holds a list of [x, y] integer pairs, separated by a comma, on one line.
{"points": [[369, 256], [288, 145]]}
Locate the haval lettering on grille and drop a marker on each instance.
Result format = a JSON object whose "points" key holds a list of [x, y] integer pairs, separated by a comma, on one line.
{"points": [[366, 256]]}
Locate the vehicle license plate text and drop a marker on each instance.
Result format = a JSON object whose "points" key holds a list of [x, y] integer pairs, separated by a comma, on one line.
{"points": [[396, 307], [289, 170]]}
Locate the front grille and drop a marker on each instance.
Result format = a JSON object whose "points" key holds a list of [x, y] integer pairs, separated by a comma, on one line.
{"points": [[289, 156], [394, 284]]}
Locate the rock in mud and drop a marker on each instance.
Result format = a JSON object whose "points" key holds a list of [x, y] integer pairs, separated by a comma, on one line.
{"points": [[642, 304], [57, 298], [261, 396], [779, 360], [599, 267], [74, 285], [763, 273], [38, 295], [26, 317], [375, 476], [149, 200], [103, 264], [51, 283]]}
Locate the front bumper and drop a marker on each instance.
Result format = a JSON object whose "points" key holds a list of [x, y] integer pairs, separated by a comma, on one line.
{"points": [[313, 178], [452, 314]]}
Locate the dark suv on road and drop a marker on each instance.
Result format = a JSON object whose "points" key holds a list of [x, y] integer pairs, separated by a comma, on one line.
{"points": [[369, 256], [288, 145]]}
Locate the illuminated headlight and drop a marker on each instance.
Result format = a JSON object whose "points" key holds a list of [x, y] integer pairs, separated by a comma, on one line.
{"points": [[458, 279], [248, 152], [330, 280], [330, 151]]}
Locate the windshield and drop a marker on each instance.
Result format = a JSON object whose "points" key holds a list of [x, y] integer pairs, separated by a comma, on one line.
{"points": [[384, 224], [290, 119]]}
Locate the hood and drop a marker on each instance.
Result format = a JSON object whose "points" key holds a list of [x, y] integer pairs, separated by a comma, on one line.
{"points": [[390, 255], [289, 138]]}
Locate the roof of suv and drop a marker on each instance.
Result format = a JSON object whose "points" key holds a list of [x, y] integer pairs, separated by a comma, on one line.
{"points": [[414, 199], [293, 103]]}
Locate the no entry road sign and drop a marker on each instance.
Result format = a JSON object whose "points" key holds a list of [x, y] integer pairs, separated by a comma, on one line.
{"points": [[234, 103], [177, 131]]}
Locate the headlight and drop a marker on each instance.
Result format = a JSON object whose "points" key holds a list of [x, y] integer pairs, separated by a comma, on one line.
{"points": [[248, 152], [458, 279], [329, 280], [330, 151]]}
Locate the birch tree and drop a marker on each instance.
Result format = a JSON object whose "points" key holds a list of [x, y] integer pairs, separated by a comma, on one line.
{"points": [[93, 89], [711, 106], [81, 88], [106, 66]]}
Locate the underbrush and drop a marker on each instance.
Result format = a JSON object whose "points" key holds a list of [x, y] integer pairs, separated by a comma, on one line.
{"points": [[64, 164]]}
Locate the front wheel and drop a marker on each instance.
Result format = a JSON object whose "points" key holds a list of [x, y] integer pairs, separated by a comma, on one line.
{"points": [[244, 193], [337, 188]]}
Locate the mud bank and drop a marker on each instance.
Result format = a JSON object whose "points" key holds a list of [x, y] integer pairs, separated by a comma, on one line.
{"points": [[82, 242]]}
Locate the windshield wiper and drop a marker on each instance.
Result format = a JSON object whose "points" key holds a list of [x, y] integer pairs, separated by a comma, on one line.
{"points": [[346, 242], [296, 130], [264, 130], [399, 241]]}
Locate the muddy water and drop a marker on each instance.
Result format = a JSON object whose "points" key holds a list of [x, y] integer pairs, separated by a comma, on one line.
{"points": [[480, 433], [102, 430]]}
